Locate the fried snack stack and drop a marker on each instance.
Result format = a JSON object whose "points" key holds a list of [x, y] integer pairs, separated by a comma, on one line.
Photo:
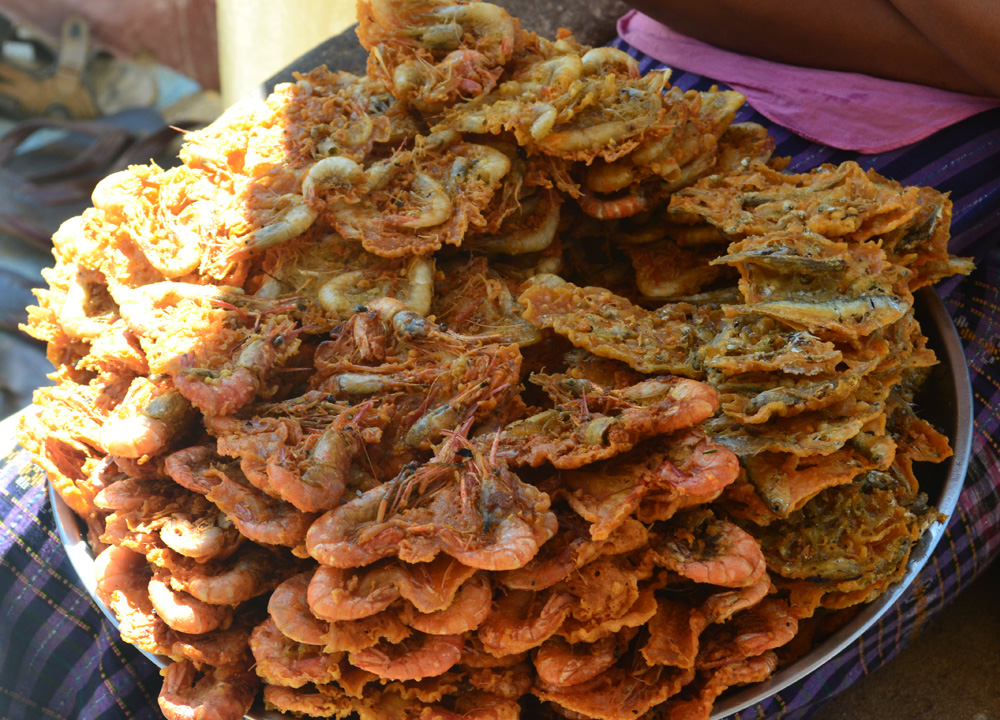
{"points": [[499, 380]]}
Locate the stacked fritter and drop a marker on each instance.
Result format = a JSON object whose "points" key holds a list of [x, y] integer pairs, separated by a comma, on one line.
{"points": [[434, 393]]}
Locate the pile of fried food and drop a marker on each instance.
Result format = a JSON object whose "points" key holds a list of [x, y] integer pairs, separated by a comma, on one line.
{"points": [[499, 380]]}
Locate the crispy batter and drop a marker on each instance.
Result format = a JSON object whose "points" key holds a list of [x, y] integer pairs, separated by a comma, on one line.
{"points": [[664, 341], [591, 423]]}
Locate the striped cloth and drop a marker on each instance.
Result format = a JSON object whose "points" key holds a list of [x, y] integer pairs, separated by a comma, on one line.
{"points": [[59, 656]]}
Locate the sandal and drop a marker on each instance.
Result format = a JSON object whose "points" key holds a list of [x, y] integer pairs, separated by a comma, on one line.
{"points": [[49, 168], [44, 88]]}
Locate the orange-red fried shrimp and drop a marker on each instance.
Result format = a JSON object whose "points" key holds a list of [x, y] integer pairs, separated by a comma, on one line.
{"points": [[511, 683], [217, 648], [256, 443], [571, 549], [259, 516], [224, 390], [123, 584], [281, 661], [307, 702], [436, 378], [339, 594], [460, 503], [708, 550], [619, 693], [591, 423], [608, 493], [522, 620], [147, 515], [436, 54], [300, 458], [289, 609], [562, 664], [126, 494], [475, 655], [191, 468], [148, 418], [767, 625], [695, 465], [222, 693], [418, 657], [253, 570], [618, 206], [674, 634], [467, 610], [722, 606], [356, 635], [217, 344], [421, 198], [475, 299], [116, 569], [202, 537], [183, 612], [319, 482], [430, 586], [741, 672]]}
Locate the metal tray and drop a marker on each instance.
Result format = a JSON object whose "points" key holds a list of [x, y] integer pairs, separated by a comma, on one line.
{"points": [[945, 400]]}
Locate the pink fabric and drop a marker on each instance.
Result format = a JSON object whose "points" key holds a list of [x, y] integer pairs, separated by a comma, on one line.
{"points": [[845, 110]]}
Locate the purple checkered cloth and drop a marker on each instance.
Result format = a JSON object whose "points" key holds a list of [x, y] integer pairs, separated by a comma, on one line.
{"points": [[60, 657]]}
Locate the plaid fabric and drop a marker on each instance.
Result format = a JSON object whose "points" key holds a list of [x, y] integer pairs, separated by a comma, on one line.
{"points": [[59, 656]]}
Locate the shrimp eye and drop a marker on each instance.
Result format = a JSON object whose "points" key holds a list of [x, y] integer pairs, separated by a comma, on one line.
{"points": [[464, 453]]}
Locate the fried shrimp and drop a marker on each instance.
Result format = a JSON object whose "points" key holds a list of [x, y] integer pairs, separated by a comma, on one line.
{"points": [[223, 693], [467, 610], [433, 54], [523, 620], [145, 422], [561, 664], [224, 390], [201, 538], [250, 572], [336, 594], [282, 661], [183, 612], [410, 204], [463, 504], [259, 516], [713, 551], [591, 423], [291, 614], [418, 657]]}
